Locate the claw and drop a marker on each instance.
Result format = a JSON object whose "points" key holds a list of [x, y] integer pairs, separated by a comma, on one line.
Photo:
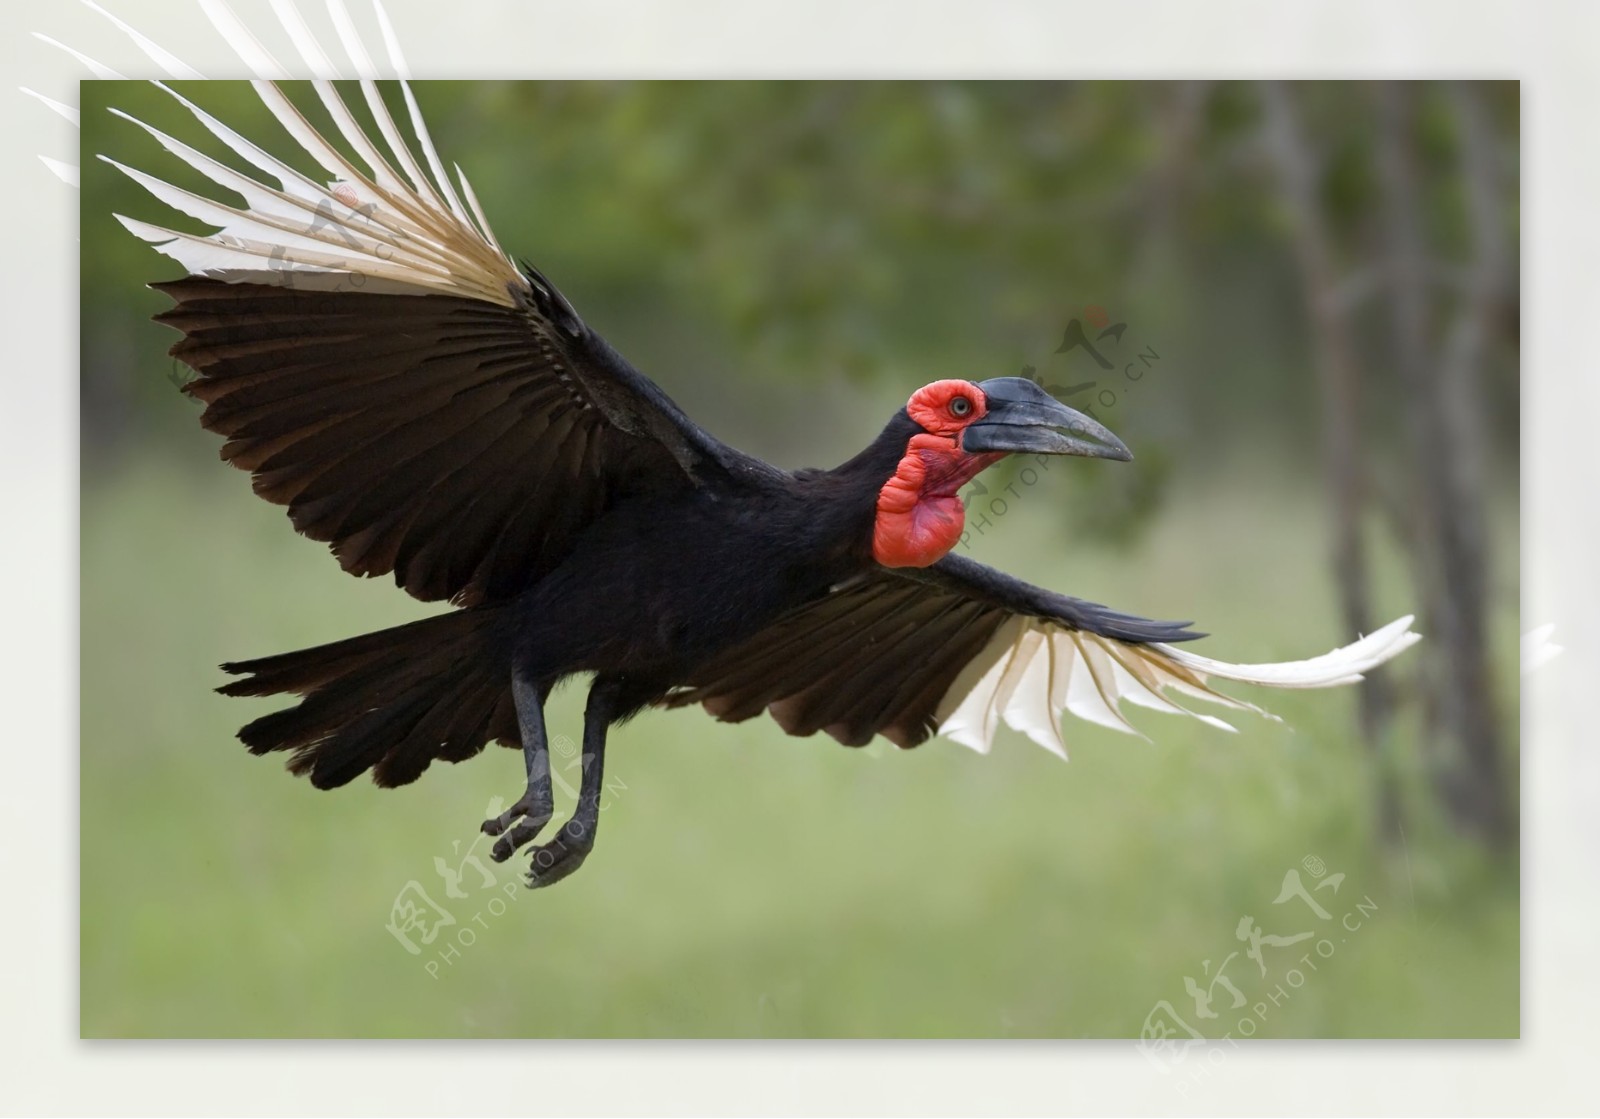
{"points": [[533, 817], [555, 860]]}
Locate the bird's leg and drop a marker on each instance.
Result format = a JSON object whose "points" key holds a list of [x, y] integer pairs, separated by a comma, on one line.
{"points": [[537, 805], [555, 860]]}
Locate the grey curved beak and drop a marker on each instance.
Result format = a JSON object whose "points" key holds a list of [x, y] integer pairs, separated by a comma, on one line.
{"points": [[1023, 418]]}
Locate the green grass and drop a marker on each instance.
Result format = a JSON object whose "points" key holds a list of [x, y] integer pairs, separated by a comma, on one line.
{"points": [[745, 883]]}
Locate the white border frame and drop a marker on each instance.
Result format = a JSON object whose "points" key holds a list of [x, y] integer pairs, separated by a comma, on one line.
{"points": [[1551, 47]]}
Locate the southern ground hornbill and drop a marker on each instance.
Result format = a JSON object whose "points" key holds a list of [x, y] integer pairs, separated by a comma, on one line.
{"points": [[429, 409]]}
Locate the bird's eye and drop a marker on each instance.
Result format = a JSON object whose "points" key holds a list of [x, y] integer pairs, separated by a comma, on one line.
{"points": [[960, 406]]}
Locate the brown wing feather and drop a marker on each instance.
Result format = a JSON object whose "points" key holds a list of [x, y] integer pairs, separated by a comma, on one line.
{"points": [[459, 444], [871, 658], [878, 655]]}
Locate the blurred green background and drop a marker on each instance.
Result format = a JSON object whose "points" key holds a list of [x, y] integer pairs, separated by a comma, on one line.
{"points": [[1322, 278]]}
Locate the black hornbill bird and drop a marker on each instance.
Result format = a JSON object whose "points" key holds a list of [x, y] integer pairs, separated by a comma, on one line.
{"points": [[430, 410]]}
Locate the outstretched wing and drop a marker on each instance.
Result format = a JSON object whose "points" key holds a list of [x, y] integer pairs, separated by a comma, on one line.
{"points": [[955, 648], [380, 367]]}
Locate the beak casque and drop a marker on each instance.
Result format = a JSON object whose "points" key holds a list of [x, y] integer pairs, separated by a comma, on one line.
{"points": [[1023, 418]]}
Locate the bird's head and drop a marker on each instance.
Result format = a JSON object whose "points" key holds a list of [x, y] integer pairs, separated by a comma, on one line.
{"points": [[958, 428]]}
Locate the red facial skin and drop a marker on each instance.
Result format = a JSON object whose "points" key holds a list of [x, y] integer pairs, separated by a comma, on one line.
{"points": [[919, 513]]}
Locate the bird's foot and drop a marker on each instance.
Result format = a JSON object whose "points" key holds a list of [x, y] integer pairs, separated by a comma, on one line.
{"points": [[531, 814], [555, 860]]}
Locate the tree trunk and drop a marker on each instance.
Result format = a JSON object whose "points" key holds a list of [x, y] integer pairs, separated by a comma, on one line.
{"points": [[1444, 412], [1338, 381]]}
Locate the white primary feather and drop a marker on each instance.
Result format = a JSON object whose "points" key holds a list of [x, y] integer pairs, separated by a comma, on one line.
{"points": [[967, 713], [420, 127], [391, 136], [260, 62], [407, 232], [1538, 649], [257, 59], [353, 46], [311, 52], [65, 111], [171, 63], [1030, 711], [1033, 670], [1091, 692], [66, 172], [103, 72], [391, 42]]}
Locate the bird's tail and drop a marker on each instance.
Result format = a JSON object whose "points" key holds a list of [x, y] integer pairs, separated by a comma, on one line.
{"points": [[390, 701]]}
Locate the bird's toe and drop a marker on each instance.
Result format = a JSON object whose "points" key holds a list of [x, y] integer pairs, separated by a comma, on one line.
{"points": [[555, 860], [529, 817]]}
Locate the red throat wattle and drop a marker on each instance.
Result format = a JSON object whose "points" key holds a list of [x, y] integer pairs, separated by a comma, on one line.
{"points": [[919, 511]]}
